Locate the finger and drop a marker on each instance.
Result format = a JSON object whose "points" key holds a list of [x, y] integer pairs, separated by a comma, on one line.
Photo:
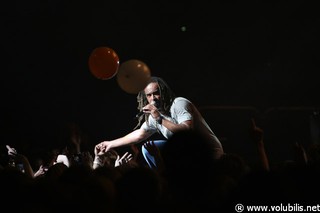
{"points": [[106, 148], [123, 156], [253, 122], [126, 154]]}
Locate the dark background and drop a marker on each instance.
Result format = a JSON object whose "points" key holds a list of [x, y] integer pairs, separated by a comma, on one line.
{"points": [[235, 60]]}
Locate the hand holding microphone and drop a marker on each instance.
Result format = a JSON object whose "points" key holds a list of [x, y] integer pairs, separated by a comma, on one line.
{"points": [[149, 107]]}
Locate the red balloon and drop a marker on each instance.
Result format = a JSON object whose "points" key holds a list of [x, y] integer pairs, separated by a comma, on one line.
{"points": [[104, 63]]}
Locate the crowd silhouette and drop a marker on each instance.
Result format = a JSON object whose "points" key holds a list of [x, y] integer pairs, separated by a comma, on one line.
{"points": [[187, 179]]}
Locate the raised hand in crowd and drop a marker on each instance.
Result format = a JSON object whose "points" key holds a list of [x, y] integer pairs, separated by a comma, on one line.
{"points": [[300, 156], [21, 162], [124, 159], [99, 158], [40, 172], [110, 158], [257, 135]]}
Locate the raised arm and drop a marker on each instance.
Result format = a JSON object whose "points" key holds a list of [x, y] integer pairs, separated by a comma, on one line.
{"points": [[257, 134]]}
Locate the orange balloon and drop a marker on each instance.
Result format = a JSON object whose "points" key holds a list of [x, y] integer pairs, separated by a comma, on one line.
{"points": [[103, 63], [133, 76]]}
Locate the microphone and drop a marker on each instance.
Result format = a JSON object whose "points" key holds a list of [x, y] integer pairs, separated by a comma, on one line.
{"points": [[155, 103]]}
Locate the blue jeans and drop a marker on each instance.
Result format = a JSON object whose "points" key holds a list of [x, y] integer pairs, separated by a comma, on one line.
{"points": [[150, 158]]}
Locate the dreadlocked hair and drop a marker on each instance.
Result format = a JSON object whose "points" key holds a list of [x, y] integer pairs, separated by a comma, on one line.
{"points": [[166, 94]]}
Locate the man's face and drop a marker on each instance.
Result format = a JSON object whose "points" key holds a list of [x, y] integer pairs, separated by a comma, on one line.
{"points": [[152, 93]]}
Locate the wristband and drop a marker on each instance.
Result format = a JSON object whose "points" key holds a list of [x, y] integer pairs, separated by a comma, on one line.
{"points": [[159, 119]]}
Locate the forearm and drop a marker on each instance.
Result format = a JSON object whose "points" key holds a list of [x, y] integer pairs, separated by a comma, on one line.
{"points": [[263, 156], [28, 170], [131, 138], [26, 165], [173, 127], [98, 162]]}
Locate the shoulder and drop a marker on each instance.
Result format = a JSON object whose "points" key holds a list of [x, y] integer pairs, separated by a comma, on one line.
{"points": [[181, 100]]}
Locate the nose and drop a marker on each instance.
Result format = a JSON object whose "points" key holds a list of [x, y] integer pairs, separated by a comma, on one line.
{"points": [[153, 97]]}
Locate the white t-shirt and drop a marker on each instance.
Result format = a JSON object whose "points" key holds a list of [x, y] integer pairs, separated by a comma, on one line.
{"points": [[182, 110]]}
